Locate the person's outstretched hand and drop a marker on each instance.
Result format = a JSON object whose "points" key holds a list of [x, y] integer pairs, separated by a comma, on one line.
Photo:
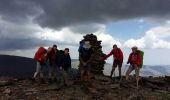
{"points": [[102, 58]]}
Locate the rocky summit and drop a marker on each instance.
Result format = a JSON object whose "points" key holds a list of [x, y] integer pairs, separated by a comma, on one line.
{"points": [[100, 88]]}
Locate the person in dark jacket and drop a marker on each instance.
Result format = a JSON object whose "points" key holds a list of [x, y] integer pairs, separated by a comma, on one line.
{"points": [[66, 65], [86, 54], [58, 63]]}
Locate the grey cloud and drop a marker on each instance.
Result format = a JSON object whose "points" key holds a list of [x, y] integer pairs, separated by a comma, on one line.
{"points": [[18, 11], [64, 13], [84, 29], [15, 44], [80, 16], [10, 44], [61, 13]]}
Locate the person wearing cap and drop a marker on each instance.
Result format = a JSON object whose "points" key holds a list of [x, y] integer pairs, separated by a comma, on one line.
{"points": [[51, 55], [118, 59], [135, 61], [66, 65], [86, 54]]}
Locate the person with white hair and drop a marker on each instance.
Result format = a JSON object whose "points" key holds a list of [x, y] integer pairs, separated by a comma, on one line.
{"points": [[135, 61]]}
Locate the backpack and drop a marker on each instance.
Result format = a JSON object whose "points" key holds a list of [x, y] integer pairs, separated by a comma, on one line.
{"points": [[39, 55], [142, 55]]}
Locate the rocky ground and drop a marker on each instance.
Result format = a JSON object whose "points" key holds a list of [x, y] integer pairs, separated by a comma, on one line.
{"points": [[101, 88]]}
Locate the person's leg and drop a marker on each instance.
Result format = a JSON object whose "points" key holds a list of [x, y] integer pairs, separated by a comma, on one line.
{"points": [[130, 69], [50, 71], [54, 71], [38, 67], [42, 70], [82, 74], [59, 73], [88, 71], [64, 77], [120, 71], [88, 76], [113, 68]]}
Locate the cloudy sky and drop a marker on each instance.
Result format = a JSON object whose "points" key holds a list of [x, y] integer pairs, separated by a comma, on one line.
{"points": [[27, 24]]}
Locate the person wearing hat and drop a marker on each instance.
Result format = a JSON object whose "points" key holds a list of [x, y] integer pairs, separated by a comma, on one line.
{"points": [[66, 65], [86, 54], [118, 59], [135, 61]]}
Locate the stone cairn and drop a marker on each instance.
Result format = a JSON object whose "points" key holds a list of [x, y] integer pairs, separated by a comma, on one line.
{"points": [[97, 66]]}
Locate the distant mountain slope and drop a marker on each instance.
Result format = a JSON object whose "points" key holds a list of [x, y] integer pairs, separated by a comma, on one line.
{"points": [[25, 67], [16, 66], [20, 66], [146, 70]]}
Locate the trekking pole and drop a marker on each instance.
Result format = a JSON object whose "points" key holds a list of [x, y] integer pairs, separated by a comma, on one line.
{"points": [[137, 83]]}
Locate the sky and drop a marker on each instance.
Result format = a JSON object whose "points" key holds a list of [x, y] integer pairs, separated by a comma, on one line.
{"points": [[26, 25]]}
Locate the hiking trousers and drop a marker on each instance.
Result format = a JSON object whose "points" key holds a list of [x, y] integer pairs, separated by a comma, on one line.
{"points": [[64, 76], [131, 68], [52, 71], [39, 70]]}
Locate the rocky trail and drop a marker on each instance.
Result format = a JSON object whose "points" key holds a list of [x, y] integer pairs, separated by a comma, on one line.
{"points": [[101, 88]]}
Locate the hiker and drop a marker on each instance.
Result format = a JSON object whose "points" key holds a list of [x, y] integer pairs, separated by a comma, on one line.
{"points": [[51, 54], [118, 59], [66, 65], [40, 57], [86, 54], [58, 64], [135, 60]]}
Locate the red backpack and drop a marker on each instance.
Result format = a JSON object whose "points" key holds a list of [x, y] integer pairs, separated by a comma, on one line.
{"points": [[39, 55]]}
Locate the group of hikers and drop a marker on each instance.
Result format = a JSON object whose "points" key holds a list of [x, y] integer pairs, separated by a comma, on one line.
{"points": [[135, 60], [60, 61]]}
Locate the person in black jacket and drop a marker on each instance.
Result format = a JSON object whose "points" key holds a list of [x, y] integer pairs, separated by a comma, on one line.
{"points": [[66, 65], [58, 63], [86, 54]]}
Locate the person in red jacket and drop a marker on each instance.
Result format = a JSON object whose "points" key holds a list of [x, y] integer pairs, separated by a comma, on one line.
{"points": [[51, 56], [135, 61], [118, 59], [40, 57]]}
